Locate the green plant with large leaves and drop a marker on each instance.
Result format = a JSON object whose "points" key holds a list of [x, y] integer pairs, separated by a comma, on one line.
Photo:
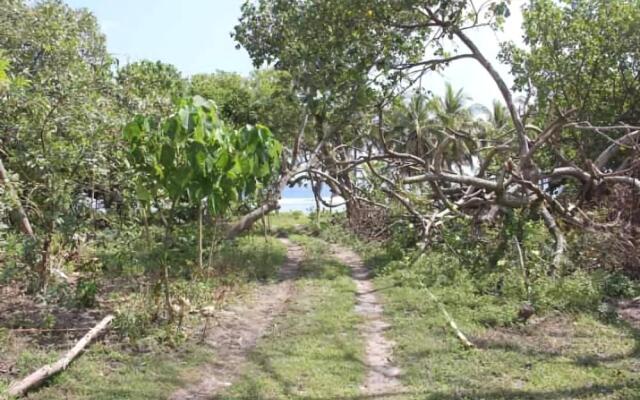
{"points": [[192, 156]]}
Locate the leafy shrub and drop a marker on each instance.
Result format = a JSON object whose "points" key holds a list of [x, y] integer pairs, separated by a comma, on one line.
{"points": [[134, 319], [575, 292], [619, 285], [86, 292]]}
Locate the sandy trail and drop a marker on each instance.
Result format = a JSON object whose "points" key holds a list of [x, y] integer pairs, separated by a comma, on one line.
{"points": [[382, 375], [239, 328]]}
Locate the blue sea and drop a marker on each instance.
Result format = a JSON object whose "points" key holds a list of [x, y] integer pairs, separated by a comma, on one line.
{"points": [[300, 198]]}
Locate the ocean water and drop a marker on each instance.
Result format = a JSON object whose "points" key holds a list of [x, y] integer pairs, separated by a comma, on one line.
{"points": [[300, 198]]}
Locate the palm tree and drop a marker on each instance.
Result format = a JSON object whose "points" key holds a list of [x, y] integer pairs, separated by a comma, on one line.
{"points": [[492, 123], [422, 122], [451, 110]]}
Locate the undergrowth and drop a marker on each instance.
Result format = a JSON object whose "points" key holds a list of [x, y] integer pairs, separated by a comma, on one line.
{"points": [[484, 266], [143, 346]]}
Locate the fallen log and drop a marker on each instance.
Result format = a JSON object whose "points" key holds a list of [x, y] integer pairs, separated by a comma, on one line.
{"points": [[452, 323], [247, 221], [20, 388]]}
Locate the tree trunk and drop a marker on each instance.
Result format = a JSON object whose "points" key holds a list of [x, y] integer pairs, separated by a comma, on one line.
{"points": [[147, 233], [271, 204], [20, 388], [25, 225], [200, 234], [247, 221], [561, 243], [42, 269]]}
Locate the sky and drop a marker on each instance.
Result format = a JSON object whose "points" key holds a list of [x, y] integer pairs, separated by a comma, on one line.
{"points": [[194, 35]]}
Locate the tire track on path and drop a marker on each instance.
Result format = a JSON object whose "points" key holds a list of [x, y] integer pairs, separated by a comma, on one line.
{"points": [[382, 375], [240, 327]]}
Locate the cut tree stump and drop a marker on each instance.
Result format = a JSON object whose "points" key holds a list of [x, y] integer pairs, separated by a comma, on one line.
{"points": [[20, 388]]}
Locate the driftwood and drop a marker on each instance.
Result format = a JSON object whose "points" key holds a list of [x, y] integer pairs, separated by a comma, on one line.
{"points": [[36, 378]]}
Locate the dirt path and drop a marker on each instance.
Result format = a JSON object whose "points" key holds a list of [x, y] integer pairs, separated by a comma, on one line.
{"points": [[238, 329], [382, 375]]}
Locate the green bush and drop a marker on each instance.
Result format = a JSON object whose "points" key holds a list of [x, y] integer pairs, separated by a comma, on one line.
{"points": [[482, 262], [617, 284], [576, 292], [86, 292], [135, 317]]}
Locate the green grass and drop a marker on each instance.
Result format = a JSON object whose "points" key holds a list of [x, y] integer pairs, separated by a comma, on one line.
{"points": [[107, 373], [561, 357], [252, 258], [286, 220], [314, 351]]}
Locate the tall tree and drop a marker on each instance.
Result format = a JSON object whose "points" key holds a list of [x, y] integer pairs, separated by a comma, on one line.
{"points": [[147, 87], [58, 127], [382, 47]]}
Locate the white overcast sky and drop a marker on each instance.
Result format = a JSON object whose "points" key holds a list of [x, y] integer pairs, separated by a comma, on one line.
{"points": [[194, 36]]}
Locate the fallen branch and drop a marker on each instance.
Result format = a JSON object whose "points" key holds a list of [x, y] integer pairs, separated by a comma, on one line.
{"points": [[40, 330], [452, 323], [36, 378]]}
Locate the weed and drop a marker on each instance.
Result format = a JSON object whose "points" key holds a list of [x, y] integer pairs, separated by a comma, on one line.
{"points": [[86, 291]]}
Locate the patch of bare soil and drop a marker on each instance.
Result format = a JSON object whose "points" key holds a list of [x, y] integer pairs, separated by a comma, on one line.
{"points": [[27, 321], [629, 310], [382, 375], [239, 328], [24, 314], [551, 335]]}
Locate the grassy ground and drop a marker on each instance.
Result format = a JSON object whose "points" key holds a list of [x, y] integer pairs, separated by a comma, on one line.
{"points": [[314, 351], [159, 360], [107, 372], [557, 357], [287, 220]]}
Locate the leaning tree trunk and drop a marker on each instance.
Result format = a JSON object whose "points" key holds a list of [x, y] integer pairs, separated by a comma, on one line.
{"points": [[271, 204]]}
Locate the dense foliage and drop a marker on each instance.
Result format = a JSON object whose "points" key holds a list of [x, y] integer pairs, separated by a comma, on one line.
{"points": [[191, 154], [74, 163], [561, 156]]}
